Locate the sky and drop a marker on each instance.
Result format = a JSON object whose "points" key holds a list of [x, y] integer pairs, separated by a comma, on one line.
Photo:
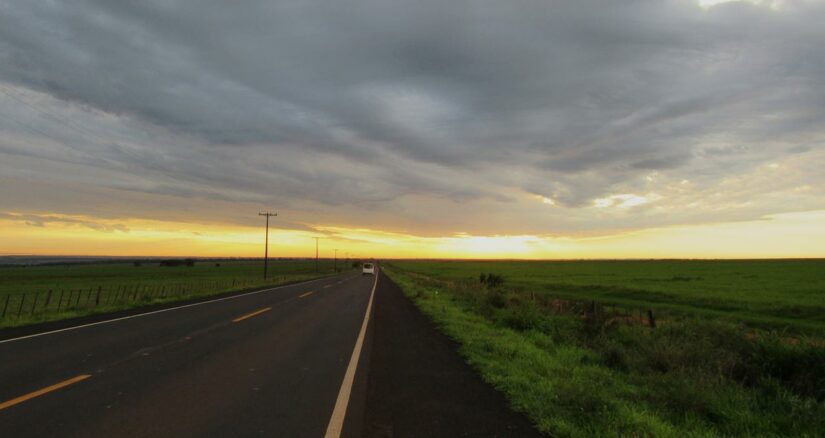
{"points": [[467, 129]]}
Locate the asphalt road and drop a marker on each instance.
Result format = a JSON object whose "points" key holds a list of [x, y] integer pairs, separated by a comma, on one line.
{"points": [[268, 363], [212, 369]]}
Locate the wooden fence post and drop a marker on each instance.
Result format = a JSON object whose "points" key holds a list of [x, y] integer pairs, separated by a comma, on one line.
{"points": [[6, 306], [48, 299], [34, 304], [651, 318], [97, 298], [22, 300]]}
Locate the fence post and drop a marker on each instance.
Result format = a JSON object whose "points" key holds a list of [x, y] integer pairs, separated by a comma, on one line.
{"points": [[6, 306], [79, 295], [97, 298], [651, 318], [60, 303], [22, 300], [34, 304], [48, 299]]}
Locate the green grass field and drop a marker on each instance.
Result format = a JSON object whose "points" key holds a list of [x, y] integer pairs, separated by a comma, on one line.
{"points": [[779, 294], [721, 364], [43, 293]]}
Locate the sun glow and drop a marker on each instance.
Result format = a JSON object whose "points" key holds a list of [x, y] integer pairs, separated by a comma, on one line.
{"points": [[786, 235]]}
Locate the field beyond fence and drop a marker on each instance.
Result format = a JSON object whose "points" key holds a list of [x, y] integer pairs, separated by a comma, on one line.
{"points": [[42, 293], [785, 295]]}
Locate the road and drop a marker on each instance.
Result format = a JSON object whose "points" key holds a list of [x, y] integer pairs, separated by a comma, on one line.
{"points": [[213, 369], [277, 362]]}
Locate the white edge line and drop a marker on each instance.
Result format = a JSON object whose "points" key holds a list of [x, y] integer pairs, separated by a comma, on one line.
{"points": [[336, 421], [158, 311]]}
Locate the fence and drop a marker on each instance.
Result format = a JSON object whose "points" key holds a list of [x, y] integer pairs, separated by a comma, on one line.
{"points": [[589, 309], [34, 305]]}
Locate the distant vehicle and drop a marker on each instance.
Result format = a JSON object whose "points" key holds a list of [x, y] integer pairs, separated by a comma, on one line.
{"points": [[369, 268]]}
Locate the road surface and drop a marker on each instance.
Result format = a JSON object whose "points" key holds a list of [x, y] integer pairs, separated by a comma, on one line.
{"points": [[278, 362]]}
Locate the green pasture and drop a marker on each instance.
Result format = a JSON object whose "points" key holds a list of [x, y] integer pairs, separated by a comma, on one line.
{"points": [[767, 293]]}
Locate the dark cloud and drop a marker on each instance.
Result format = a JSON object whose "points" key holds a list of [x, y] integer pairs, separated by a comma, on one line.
{"points": [[358, 104]]}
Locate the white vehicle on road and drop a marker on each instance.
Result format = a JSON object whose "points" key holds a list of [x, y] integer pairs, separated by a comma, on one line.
{"points": [[369, 268]]}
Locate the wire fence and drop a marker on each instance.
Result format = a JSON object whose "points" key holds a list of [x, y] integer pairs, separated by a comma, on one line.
{"points": [[592, 310], [32, 305]]}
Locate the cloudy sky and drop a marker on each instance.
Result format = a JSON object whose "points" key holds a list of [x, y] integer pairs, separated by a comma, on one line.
{"points": [[573, 128]]}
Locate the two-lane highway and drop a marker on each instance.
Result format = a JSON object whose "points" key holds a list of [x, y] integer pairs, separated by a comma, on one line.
{"points": [[267, 363]]}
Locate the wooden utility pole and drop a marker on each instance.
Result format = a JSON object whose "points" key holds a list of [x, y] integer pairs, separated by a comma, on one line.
{"points": [[316, 253], [266, 239]]}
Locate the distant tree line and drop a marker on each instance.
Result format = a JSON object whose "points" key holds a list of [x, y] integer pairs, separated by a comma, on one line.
{"points": [[177, 262]]}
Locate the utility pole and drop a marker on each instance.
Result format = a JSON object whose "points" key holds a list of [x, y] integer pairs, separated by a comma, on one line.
{"points": [[266, 239], [316, 253], [335, 260]]}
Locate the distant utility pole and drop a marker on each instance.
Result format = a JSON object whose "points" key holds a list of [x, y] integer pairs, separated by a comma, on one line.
{"points": [[316, 253], [335, 261], [266, 239]]}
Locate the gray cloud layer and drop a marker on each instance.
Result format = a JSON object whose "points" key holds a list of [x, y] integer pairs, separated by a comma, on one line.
{"points": [[425, 114]]}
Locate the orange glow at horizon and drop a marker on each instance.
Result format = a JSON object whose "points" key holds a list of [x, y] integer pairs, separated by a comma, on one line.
{"points": [[778, 236]]}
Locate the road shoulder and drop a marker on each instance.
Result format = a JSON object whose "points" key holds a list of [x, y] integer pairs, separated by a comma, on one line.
{"points": [[418, 384]]}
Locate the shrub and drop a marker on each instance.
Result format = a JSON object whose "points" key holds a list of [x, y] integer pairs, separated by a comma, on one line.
{"points": [[491, 280]]}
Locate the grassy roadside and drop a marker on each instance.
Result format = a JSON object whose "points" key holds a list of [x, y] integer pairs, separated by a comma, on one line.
{"points": [[577, 376], [30, 295]]}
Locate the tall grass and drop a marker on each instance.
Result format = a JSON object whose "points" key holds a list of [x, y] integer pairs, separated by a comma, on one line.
{"points": [[581, 373]]}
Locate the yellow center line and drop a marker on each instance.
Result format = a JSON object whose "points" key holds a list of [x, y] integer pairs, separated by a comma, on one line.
{"points": [[306, 294], [250, 315], [40, 392]]}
